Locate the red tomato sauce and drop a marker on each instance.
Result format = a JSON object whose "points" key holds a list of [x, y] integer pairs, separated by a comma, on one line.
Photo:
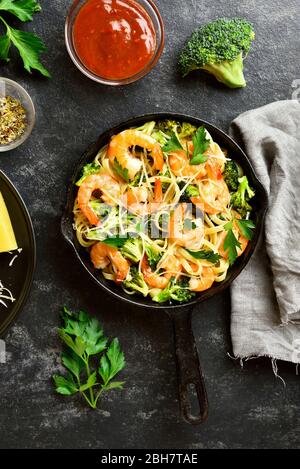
{"points": [[115, 39]]}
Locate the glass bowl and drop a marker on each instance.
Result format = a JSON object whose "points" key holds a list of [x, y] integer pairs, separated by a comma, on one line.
{"points": [[13, 89], [157, 21]]}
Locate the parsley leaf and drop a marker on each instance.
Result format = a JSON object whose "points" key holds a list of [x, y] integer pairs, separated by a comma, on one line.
{"points": [[4, 47], [83, 338], [173, 144], [115, 242], [231, 243], [201, 144], [65, 386], [112, 362], [22, 9], [209, 256], [246, 228], [122, 172], [29, 46]]}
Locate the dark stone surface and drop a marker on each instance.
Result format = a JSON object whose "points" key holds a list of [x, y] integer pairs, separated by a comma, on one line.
{"points": [[248, 408]]}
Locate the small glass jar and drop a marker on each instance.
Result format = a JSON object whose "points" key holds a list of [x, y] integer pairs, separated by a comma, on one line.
{"points": [[158, 25], [11, 88]]}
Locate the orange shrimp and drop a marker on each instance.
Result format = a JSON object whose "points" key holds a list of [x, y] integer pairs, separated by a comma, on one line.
{"points": [[152, 279], [102, 182], [102, 255], [187, 238], [181, 167], [203, 283], [119, 148], [216, 196]]}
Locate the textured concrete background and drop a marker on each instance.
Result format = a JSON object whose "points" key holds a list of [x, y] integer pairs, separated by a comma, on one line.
{"points": [[248, 408]]}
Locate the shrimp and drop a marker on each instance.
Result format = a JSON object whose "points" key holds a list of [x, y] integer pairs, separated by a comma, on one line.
{"points": [[106, 185], [136, 199], [187, 238], [180, 166], [242, 240], [102, 255], [119, 148], [151, 278], [203, 283], [171, 265], [214, 198]]}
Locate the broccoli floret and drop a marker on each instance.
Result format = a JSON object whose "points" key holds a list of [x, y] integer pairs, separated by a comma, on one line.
{"points": [[147, 128], [240, 199], [160, 137], [136, 282], [153, 256], [176, 291], [167, 128], [133, 249], [231, 175], [88, 169], [218, 48], [186, 130], [192, 191]]}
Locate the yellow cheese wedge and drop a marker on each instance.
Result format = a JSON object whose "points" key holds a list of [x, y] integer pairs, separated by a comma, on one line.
{"points": [[7, 237]]}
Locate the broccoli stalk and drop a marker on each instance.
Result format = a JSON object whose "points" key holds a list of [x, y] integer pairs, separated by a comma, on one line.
{"points": [[176, 291], [218, 48], [135, 282], [240, 199], [228, 72]]}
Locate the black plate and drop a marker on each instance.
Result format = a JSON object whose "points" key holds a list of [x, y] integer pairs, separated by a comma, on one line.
{"points": [[17, 278], [234, 151]]}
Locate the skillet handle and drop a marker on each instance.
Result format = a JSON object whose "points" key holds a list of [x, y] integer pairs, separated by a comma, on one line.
{"points": [[189, 370]]}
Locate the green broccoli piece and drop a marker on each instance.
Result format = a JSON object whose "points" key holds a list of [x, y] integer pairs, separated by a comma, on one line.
{"points": [[231, 175], [87, 170], [136, 282], [167, 128], [147, 128], [186, 130], [176, 291], [133, 249], [160, 137], [192, 191], [153, 256], [218, 48], [240, 198]]}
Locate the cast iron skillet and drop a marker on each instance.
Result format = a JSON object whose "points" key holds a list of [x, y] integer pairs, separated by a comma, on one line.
{"points": [[17, 278], [188, 366]]}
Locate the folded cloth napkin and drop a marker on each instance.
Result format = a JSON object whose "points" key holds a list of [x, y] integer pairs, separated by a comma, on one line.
{"points": [[265, 297]]}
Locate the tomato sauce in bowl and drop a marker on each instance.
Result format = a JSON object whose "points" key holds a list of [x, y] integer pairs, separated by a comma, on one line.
{"points": [[114, 39]]}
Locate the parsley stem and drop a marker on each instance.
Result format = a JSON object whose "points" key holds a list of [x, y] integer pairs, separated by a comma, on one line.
{"points": [[93, 405], [3, 21], [99, 394], [91, 392]]}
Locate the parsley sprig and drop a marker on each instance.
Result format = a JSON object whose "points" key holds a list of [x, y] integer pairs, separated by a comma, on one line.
{"points": [[201, 143], [91, 360], [231, 243], [29, 45], [207, 255]]}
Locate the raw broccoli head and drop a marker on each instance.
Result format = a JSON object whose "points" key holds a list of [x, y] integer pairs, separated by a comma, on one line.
{"points": [[240, 199], [231, 175], [175, 291], [133, 249], [218, 47], [136, 282]]}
